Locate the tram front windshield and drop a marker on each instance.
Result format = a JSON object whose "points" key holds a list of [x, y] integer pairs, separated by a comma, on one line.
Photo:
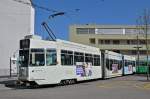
{"points": [[36, 57], [23, 58]]}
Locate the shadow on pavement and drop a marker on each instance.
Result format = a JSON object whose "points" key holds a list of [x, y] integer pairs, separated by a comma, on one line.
{"points": [[13, 84]]}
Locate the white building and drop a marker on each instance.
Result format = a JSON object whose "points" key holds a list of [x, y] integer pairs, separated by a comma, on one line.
{"points": [[16, 21]]}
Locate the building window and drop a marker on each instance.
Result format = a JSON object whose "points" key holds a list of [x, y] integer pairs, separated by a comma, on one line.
{"points": [[128, 41], [134, 52], [91, 30], [131, 31], [133, 42], [82, 30], [85, 30], [107, 41], [116, 42], [143, 52], [142, 42], [100, 41], [108, 31], [92, 40]]}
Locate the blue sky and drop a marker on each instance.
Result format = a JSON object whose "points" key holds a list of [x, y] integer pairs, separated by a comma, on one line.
{"points": [[123, 12]]}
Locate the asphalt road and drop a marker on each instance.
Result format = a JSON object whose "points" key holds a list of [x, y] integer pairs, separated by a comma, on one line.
{"points": [[128, 87]]}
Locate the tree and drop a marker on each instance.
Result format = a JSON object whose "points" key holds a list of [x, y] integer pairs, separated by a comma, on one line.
{"points": [[143, 27]]}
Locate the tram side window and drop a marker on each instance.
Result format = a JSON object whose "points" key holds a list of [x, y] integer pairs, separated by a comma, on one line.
{"points": [[37, 57], [89, 58], [115, 65], [108, 64], [111, 62], [133, 63], [119, 64], [96, 60], [142, 63], [66, 57], [51, 57], [78, 57], [130, 63], [126, 63]]}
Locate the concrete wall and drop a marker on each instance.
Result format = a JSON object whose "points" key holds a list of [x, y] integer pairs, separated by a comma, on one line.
{"points": [[16, 21]]}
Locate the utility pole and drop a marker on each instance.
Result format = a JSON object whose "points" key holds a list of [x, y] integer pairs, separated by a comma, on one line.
{"points": [[146, 36], [144, 25], [138, 52], [146, 19]]}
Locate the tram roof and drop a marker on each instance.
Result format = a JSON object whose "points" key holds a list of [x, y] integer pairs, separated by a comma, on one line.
{"points": [[36, 41]]}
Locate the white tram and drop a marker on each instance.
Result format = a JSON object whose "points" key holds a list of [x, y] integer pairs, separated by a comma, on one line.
{"points": [[53, 62], [62, 62]]}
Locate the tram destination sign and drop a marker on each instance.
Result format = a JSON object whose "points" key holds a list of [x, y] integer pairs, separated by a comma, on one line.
{"points": [[24, 43]]}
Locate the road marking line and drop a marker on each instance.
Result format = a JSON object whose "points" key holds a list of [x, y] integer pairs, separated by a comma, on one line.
{"points": [[147, 86], [122, 84]]}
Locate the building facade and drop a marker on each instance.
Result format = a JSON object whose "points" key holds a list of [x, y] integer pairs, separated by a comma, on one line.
{"points": [[123, 39], [16, 21]]}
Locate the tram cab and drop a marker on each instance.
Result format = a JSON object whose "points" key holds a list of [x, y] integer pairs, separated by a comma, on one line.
{"points": [[32, 60]]}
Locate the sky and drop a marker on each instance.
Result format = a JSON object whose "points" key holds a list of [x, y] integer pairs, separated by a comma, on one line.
{"points": [[107, 12]]}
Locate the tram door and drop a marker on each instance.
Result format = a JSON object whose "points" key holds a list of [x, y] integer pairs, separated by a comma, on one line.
{"points": [[103, 63]]}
